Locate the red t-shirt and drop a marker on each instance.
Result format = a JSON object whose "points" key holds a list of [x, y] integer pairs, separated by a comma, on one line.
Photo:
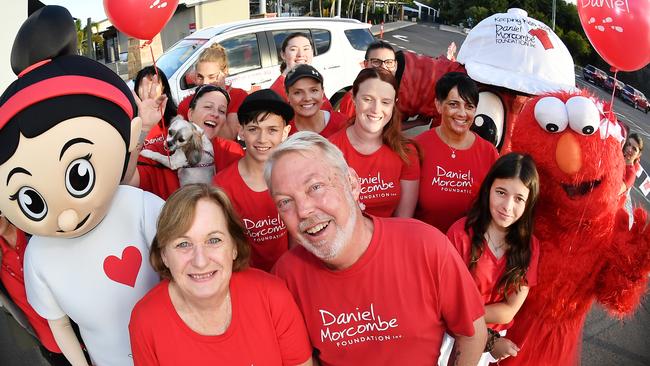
{"points": [[154, 177], [237, 96], [449, 185], [13, 280], [379, 173], [489, 269], [278, 87], [346, 106], [266, 232], [393, 305], [630, 174], [160, 180], [266, 328], [336, 122]]}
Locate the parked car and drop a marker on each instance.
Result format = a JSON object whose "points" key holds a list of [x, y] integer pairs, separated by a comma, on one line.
{"points": [[253, 48], [609, 85], [594, 75], [635, 98]]}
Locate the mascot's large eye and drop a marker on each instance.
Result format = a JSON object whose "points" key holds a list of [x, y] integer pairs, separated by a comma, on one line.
{"points": [[489, 119], [551, 114], [31, 203], [80, 177], [584, 117]]}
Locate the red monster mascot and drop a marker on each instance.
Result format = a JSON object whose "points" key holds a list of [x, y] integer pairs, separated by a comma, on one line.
{"points": [[587, 251]]}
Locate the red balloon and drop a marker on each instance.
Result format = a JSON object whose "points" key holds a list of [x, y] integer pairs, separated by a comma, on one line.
{"points": [[619, 30], [142, 19]]}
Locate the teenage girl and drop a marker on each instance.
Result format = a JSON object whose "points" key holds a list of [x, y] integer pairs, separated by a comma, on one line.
{"points": [[496, 242]]}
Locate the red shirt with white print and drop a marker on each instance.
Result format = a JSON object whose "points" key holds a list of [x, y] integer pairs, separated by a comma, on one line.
{"points": [[265, 231], [379, 173], [448, 185], [392, 306], [162, 181], [489, 270]]}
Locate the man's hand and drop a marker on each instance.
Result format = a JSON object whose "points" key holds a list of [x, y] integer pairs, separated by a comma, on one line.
{"points": [[504, 348]]}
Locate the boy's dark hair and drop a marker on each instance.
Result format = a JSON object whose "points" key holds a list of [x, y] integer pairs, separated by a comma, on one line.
{"points": [[259, 104]]}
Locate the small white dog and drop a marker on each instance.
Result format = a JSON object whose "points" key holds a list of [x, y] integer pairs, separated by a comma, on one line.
{"points": [[191, 153]]}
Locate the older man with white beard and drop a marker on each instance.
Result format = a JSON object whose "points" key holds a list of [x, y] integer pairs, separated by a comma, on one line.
{"points": [[373, 291]]}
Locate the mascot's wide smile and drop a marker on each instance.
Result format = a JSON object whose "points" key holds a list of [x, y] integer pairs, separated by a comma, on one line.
{"points": [[580, 189]]}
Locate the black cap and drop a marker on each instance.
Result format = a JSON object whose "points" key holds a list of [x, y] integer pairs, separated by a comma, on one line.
{"points": [[264, 100], [302, 71]]}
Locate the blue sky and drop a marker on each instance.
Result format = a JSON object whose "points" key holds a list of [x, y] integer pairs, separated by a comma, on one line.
{"points": [[82, 9]]}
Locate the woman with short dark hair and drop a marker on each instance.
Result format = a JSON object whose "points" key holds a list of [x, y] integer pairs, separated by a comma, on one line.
{"points": [[455, 159]]}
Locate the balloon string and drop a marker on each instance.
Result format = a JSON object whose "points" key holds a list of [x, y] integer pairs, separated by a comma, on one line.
{"points": [[163, 133]]}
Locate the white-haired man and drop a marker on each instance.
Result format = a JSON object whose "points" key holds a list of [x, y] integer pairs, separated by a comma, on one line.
{"points": [[373, 291]]}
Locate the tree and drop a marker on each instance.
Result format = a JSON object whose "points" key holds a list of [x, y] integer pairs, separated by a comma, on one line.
{"points": [[82, 44], [475, 14], [577, 45]]}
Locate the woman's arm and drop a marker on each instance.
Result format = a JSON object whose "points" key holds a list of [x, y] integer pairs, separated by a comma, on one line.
{"points": [[503, 312], [408, 198]]}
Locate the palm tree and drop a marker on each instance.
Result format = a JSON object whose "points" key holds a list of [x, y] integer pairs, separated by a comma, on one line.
{"points": [[82, 44]]}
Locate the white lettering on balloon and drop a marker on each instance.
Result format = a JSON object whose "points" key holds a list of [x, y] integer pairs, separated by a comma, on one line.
{"points": [[617, 5]]}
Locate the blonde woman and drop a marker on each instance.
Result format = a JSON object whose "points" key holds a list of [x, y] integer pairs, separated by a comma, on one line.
{"points": [[212, 68]]}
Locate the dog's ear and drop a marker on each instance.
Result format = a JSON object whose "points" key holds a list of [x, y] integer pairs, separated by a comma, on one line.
{"points": [[194, 157], [194, 148]]}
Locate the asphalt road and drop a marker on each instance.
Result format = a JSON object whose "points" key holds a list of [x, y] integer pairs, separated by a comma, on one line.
{"points": [[606, 341]]}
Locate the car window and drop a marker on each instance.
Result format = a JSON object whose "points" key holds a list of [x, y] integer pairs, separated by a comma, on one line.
{"points": [[176, 56], [243, 53], [280, 35], [359, 38], [322, 40]]}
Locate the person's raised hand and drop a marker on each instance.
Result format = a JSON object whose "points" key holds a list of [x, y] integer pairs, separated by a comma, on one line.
{"points": [[150, 109]]}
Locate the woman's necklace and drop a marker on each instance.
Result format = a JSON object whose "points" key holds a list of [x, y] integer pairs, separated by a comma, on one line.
{"points": [[496, 249], [444, 139]]}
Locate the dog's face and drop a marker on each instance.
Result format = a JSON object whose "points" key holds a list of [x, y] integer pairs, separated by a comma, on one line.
{"points": [[180, 133]]}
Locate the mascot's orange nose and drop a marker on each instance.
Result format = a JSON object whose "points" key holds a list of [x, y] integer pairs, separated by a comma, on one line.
{"points": [[568, 154]]}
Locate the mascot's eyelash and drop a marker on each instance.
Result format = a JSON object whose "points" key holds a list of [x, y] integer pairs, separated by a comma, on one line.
{"points": [[88, 156], [14, 196]]}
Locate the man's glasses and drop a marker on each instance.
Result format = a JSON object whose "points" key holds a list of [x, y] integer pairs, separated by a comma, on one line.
{"points": [[389, 63]]}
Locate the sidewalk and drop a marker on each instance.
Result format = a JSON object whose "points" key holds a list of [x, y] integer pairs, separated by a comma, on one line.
{"points": [[389, 27]]}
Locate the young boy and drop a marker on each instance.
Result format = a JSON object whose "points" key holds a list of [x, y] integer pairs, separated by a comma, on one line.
{"points": [[264, 118]]}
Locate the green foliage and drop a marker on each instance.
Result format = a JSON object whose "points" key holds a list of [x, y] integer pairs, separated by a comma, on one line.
{"points": [[82, 37], [475, 14], [578, 46]]}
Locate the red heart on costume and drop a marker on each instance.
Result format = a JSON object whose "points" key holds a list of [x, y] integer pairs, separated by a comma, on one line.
{"points": [[124, 270]]}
